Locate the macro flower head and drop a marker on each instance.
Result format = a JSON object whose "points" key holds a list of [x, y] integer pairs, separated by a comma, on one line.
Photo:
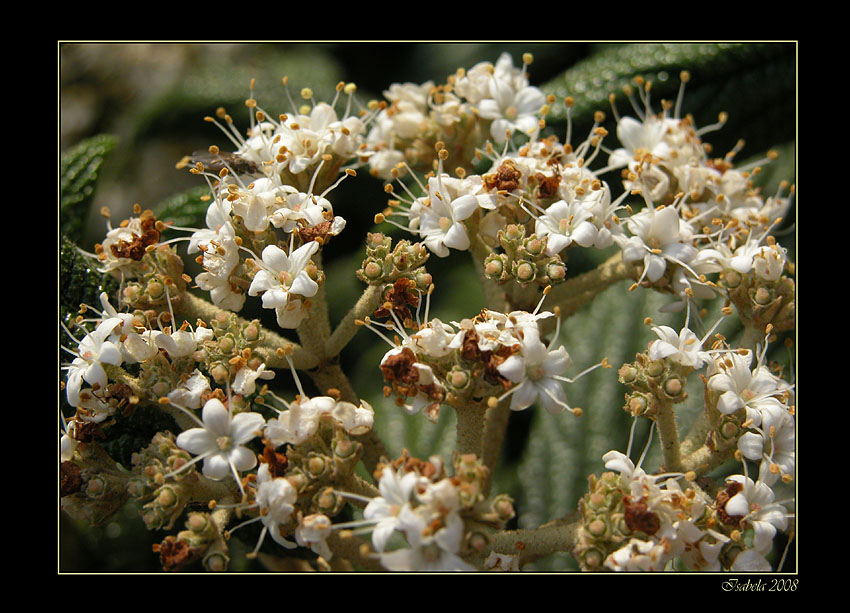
{"points": [[220, 440]]}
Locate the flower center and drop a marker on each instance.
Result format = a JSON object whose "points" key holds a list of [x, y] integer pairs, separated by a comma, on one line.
{"points": [[431, 552], [445, 224], [223, 442], [748, 394]]}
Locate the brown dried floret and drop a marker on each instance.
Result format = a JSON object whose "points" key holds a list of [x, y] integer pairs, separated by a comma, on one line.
{"points": [[398, 299], [506, 177], [639, 518], [723, 496], [136, 249]]}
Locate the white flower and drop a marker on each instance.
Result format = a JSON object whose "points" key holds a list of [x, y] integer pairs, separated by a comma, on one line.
{"points": [[300, 421], [755, 504], [428, 552], [441, 223], [313, 531], [536, 369], [435, 340], [773, 448], [564, 224], [218, 225], [355, 420], [255, 203], [220, 441], [501, 93], [280, 278], [396, 489], [660, 235], [759, 391], [182, 343], [188, 393], [276, 498], [94, 351], [512, 110], [639, 555], [245, 380], [134, 348], [683, 348], [636, 136], [221, 257]]}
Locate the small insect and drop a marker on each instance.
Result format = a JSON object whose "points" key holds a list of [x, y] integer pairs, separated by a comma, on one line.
{"points": [[216, 162]]}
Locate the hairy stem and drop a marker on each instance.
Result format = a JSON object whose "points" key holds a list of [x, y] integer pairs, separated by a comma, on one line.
{"points": [[470, 429], [345, 331], [668, 432], [495, 427], [533, 544]]}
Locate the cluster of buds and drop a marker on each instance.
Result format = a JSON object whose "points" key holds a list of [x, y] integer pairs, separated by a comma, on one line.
{"points": [[164, 482], [94, 486], [760, 289], [524, 259], [201, 540], [230, 349], [386, 264], [653, 382], [636, 521], [153, 270]]}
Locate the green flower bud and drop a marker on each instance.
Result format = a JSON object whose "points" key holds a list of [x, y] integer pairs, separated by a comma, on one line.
{"points": [[655, 368]]}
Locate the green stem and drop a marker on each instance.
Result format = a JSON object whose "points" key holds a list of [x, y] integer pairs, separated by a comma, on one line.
{"points": [[470, 429], [495, 427], [369, 301], [751, 337], [314, 333], [533, 544], [668, 432]]}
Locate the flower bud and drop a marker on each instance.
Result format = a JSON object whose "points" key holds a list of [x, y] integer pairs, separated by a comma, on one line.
{"points": [[459, 378], [655, 368], [732, 278], [627, 373], [216, 562], [524, 271], [673, 387], [556, 271]]}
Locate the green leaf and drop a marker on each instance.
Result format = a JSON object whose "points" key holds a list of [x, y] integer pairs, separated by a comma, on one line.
{"points": [[754, 82], [79, 280], [79, 283], [187, 209], [78, 173]]}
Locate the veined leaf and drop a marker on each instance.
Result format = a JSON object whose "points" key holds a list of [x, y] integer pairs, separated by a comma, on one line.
{"points": [[754, 82], [187, 209], [78, 172]]}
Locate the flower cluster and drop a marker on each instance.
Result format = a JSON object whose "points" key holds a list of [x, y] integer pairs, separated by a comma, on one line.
{"points": [[488, 100], [521, 203]]}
